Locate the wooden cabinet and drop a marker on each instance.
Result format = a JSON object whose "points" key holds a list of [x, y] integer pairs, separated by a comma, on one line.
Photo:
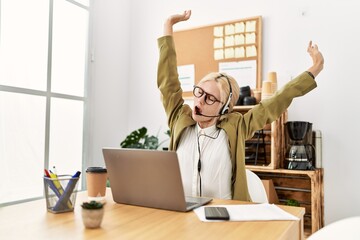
{"points": [[274, 142], [306, 187]]}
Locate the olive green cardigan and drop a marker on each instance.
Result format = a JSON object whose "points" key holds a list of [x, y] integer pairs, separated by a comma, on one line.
{"points": [[238, 127]]}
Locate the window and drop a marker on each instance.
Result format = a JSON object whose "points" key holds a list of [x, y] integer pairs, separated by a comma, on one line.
{"points": [[43, 72]]}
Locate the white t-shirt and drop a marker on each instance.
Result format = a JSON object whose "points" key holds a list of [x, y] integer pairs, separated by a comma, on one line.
{"points": [[215, 162]]}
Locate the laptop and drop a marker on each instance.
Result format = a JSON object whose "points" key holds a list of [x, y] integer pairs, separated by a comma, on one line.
{"points": [[148, 178]]}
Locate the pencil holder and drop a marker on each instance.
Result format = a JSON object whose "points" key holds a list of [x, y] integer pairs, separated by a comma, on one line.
{"points": [[60, 193]]}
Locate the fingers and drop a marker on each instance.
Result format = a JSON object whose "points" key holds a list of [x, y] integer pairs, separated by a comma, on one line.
{"points": [[309, 46], [180, 17], [312, 48], [187, 14]]}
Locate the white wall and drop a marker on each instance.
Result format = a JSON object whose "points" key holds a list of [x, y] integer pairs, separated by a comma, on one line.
{"points": [[124, 73], [109, 76]]}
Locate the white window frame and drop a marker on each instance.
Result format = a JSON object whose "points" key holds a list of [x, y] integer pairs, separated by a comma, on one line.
{"points": [[49, 95]]}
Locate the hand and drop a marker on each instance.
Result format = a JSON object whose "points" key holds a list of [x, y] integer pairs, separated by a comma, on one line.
{"points": [[317, 58], [173, 19], [179, 17]]}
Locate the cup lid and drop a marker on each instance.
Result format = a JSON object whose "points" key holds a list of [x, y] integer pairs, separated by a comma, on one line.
{"points": [[96, 170]]}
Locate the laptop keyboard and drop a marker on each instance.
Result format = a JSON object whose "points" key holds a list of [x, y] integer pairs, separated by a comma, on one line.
{"points": [[189, 204]]}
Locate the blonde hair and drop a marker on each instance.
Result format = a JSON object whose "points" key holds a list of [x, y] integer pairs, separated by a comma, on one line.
{"points": [[222, 81]]}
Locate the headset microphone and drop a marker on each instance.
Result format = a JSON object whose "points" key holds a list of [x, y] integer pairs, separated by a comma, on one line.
{"points": [[200, 114]]}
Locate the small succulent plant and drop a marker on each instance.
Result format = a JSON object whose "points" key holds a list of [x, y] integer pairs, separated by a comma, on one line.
{"points": [[92, 205]]}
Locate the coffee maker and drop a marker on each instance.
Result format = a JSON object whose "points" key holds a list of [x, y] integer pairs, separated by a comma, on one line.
{"points": [[300, 151]]}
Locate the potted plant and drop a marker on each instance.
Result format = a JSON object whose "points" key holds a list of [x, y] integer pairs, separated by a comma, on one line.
{"points": [[140, 139], [292, 202], [92, 214]]}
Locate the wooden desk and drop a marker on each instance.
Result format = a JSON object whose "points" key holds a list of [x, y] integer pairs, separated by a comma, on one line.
{"points": [[32, 221]]}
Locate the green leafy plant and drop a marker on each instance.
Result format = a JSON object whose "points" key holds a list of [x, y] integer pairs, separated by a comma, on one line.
{"points": [[292, 202], [140, 139], [92, 205]]}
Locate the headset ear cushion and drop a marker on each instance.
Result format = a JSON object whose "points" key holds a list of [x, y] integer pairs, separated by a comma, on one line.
{"points": [[221, 110], [225, 108]]}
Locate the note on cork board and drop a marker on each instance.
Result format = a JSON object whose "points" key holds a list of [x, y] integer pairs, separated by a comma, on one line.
{"points": [[234, 47]]}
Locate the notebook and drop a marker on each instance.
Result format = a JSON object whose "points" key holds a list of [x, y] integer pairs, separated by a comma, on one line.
{"points": [[148, 178]]}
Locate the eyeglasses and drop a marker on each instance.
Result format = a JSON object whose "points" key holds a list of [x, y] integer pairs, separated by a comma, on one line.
{"points": [[209, 99]]}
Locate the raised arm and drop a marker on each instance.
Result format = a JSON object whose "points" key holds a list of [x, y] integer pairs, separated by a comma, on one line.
{"points": [[317, 57], [173, 19]]}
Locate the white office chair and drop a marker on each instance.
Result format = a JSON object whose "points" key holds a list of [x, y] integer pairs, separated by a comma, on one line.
{"points": [[347, 229], [256, 188]]}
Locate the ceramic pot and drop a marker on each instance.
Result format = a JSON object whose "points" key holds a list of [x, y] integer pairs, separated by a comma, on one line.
{"points": [[92, 218]]}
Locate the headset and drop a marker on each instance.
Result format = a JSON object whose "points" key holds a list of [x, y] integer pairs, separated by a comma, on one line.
{"points": [[225, 108]]}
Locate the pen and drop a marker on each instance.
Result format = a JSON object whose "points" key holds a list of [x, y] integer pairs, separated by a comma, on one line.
{"points": [[47, 173], [65, 198], [51, 183], [56, 182], [76, 175]]}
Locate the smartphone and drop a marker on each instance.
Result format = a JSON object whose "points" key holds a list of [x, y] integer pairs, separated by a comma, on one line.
{"points": [[216, 213]]}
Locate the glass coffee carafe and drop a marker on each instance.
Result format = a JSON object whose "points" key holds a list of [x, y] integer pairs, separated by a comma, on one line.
{"points": [[299, 149]]}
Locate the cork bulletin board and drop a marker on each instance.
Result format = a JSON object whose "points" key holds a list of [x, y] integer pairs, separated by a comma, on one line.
{"points": [[234, 43]]}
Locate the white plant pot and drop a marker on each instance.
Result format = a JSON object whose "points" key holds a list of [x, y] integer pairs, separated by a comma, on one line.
{"points": [[92, 218]]}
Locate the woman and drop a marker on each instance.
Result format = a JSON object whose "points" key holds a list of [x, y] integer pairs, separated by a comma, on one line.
{"points": [[209, 139]]}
